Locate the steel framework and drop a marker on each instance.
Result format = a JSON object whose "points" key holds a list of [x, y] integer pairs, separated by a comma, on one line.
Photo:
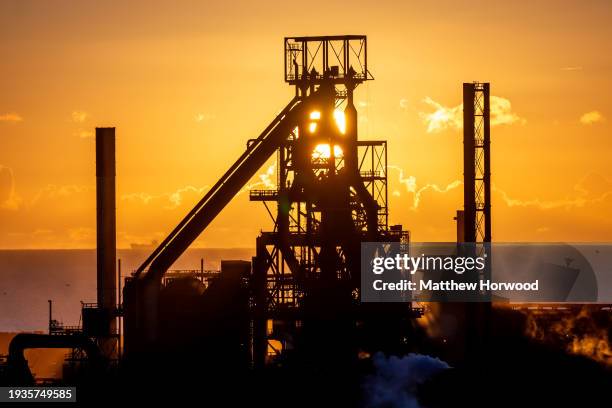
{"points": [[331, 196], [477, 163], [302, 223], [326, 204], [477, 202], [309, 60]]}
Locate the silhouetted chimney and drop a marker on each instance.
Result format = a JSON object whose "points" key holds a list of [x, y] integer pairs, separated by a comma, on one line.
{"points": [[460, 219], [106, 221]]}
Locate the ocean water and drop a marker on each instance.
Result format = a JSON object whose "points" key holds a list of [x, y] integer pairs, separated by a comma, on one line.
{"points": [[28, 278]]}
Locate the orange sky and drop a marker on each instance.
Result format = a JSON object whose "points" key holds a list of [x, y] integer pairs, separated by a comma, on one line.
{"points": [[187, 83]]}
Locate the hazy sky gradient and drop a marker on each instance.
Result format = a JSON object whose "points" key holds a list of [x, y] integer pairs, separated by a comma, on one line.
{"points": [[187, 83]]}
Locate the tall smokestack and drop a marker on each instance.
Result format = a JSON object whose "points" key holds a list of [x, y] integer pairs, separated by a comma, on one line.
{"points": [[477, 207], [106, 221], [469, 168], [460, 219]]}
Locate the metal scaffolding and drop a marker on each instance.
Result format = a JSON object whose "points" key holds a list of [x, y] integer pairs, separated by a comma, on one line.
{"points": [[477, 206], [327, 202], [477, 162]]}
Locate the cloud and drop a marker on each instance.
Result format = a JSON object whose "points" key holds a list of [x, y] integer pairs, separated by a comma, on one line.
{"points": [[191, 194], [177, 197], [84, 134], [591, 189], [54, 191], [82, 234], [9, 200], [444, 117], [541, 204], [203, 117], [79, 116], [411, 186], [11, 117], [502, 114], [593, 185], [266, 179], [571, 68], [144, 198], [168, 201], [592, 117], [363, 109]]}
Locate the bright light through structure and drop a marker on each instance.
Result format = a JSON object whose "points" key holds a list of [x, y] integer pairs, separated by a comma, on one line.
{"points": [[338, 117], [340, 120], [323, 151]]}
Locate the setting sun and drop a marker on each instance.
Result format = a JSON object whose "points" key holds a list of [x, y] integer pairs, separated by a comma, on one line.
{"points": [[340, 120], [323, 151], [188, 84], [315, 115]]}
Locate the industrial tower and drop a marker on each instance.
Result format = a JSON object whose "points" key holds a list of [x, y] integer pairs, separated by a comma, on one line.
{"points": [[477, 162], [477, 205], [331, 196]]}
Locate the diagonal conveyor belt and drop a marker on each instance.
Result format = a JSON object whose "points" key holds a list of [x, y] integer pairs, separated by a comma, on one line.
{"points": [[221, 193]]}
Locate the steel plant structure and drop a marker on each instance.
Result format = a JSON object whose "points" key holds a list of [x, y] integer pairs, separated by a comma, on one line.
{"points": [[303, 286], [297, 304], [476, 217]]}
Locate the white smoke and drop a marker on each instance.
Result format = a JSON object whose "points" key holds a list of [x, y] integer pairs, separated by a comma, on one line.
{"points": [[395, 380]]}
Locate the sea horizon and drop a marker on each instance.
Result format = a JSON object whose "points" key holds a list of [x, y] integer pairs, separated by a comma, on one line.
{"points": [[31, 277]]}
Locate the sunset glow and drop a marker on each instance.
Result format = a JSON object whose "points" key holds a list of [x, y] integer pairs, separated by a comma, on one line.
{"points": [[173, 81], [340, 120], [323, 151]]}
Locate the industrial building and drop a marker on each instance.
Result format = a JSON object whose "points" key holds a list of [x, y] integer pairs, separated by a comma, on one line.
{"points": [[292, 315]]}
